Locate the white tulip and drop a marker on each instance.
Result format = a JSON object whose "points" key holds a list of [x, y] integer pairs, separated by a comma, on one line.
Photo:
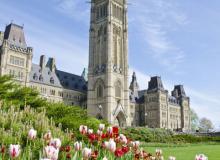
{"points": [[111, 145], [109, 130], [14, 150], [51, 153], [104, 158], [172, 158], [32, 134], [135, 144], [86, 153], [99, 132], [101, 127], [78, 146], [56, 142], [90, 131]]}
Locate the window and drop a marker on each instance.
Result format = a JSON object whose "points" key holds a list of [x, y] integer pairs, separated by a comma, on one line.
{"points": [[51, 80], [99, 91], [41, 78], [17, 61]]}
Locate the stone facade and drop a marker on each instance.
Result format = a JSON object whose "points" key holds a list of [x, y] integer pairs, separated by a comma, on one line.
{"points": [[104, 92]]}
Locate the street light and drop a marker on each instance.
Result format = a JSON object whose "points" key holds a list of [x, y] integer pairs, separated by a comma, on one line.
{"points": [[145, 118], [100, 111]]}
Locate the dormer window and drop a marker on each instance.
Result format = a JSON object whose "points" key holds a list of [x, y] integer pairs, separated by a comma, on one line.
{"points": [[41, 78], [52, 80], [35, 77]]}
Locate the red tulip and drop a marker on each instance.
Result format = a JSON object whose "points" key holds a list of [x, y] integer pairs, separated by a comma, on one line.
{"points": [[119, 152], [125, 149], [92, 137], [115, 130], [68, 156], [68, 148]]}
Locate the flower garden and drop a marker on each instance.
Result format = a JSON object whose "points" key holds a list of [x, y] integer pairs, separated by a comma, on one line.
{"points": [[106, 143], [59, 132]]}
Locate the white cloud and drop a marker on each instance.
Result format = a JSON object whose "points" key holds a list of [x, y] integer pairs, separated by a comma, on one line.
{"points": [[74, 9], [155, 19]]}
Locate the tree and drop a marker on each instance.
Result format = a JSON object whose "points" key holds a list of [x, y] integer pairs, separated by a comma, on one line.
{"points": [[205, 125], [194, 121]]}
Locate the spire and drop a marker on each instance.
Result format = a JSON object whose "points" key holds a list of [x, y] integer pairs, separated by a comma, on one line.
{"points": [[84, 74], [134, 87]]}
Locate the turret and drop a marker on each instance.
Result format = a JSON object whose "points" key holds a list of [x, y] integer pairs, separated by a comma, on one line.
{"points": [[134, 87]]}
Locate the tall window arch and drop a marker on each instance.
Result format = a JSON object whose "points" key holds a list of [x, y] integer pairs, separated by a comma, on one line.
{"points": [[100, 91]]}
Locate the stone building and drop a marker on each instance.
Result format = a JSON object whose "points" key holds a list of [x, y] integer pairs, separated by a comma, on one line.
{"points": [[104, 90]]}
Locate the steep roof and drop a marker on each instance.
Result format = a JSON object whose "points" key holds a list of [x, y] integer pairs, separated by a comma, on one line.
{"points": [[57, 79], [15, 35], [155, 83]]}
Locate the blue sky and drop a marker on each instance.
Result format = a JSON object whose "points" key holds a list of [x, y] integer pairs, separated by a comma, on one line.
{"points": [[178, 40]]}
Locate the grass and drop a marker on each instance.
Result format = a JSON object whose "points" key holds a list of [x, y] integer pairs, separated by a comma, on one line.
{"points": [[186, 151]]}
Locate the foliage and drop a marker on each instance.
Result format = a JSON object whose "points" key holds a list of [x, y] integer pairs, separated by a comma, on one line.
{"points": [[71, 117], [165, 136], [15, 124], [12, 93], [205, 125], [194, 121]]}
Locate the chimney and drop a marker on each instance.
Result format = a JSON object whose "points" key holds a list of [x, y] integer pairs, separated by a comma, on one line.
{"points": [[51, 64], [42, 61]]}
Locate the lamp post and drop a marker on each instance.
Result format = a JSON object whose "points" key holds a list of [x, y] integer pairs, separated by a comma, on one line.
{"points": [[145, 115], [100, 111]]}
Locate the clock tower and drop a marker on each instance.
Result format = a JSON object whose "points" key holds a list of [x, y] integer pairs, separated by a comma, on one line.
{"points": [[108, 93]]}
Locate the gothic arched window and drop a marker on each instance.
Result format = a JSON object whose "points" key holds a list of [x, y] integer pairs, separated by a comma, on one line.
{"points": [[99, 91]]}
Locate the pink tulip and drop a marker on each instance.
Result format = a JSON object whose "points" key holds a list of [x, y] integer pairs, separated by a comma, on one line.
{"points": [[123, 139], [78, 146], [56, 143], [99, 132], [51, 152], [32, 134], [14, 151], [201, 157], [83, 129], [135, 144]]}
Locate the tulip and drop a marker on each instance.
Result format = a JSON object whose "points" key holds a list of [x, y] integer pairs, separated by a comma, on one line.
{"points": [[119, 152], [99, 132], [158, 152], [111, 145], [3, 149], [56, 143], [47, 136], [51, 152], [172, 158], [32, 134], [123, 139], [78, 146], [86, 153], [14, 151], [135, 144], [105, 158], [90, 131], [201, 157], [101, 127], [68, 148], [125, 149], [83, 129]]}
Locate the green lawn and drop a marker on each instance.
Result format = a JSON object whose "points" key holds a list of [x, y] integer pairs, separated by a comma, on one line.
{"points": [[187, 152]]}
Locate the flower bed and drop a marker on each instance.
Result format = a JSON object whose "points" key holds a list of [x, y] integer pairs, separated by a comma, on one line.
{"points": [[105, 144]]}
